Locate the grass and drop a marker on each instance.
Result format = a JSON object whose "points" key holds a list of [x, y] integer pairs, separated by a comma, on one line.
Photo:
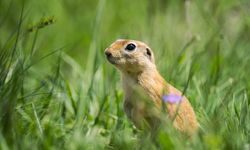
{"points": [[58, 91]]}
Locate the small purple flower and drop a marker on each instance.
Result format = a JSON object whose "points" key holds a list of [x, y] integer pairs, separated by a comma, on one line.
{"points": [[172, 98]]}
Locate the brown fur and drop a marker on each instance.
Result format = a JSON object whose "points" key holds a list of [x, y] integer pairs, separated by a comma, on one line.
{"points": [[140, 73]]}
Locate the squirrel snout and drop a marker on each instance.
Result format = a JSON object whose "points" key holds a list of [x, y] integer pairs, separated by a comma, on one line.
{"points": [[108, 54], [110, 57]]}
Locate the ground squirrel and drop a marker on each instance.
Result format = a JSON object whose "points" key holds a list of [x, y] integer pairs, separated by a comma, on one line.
{"points": [[135, 60]]}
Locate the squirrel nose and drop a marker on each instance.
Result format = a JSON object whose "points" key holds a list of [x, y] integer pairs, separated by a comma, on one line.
{"points": [[108, 54]]}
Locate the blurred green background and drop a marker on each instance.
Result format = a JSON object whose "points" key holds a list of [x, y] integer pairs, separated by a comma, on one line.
{"points": [[58, 91]]}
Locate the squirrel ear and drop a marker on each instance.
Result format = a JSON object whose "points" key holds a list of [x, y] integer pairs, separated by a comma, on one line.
{"points": [[150, 55]]}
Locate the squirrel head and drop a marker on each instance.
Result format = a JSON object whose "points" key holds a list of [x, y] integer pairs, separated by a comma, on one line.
{"points": [[130, 56]]}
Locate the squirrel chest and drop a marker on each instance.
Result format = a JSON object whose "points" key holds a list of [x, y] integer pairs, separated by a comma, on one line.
{"points": [[142, 98]]}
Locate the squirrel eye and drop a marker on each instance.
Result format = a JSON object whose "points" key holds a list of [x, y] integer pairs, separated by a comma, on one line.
{"points": [[130, 47]]}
